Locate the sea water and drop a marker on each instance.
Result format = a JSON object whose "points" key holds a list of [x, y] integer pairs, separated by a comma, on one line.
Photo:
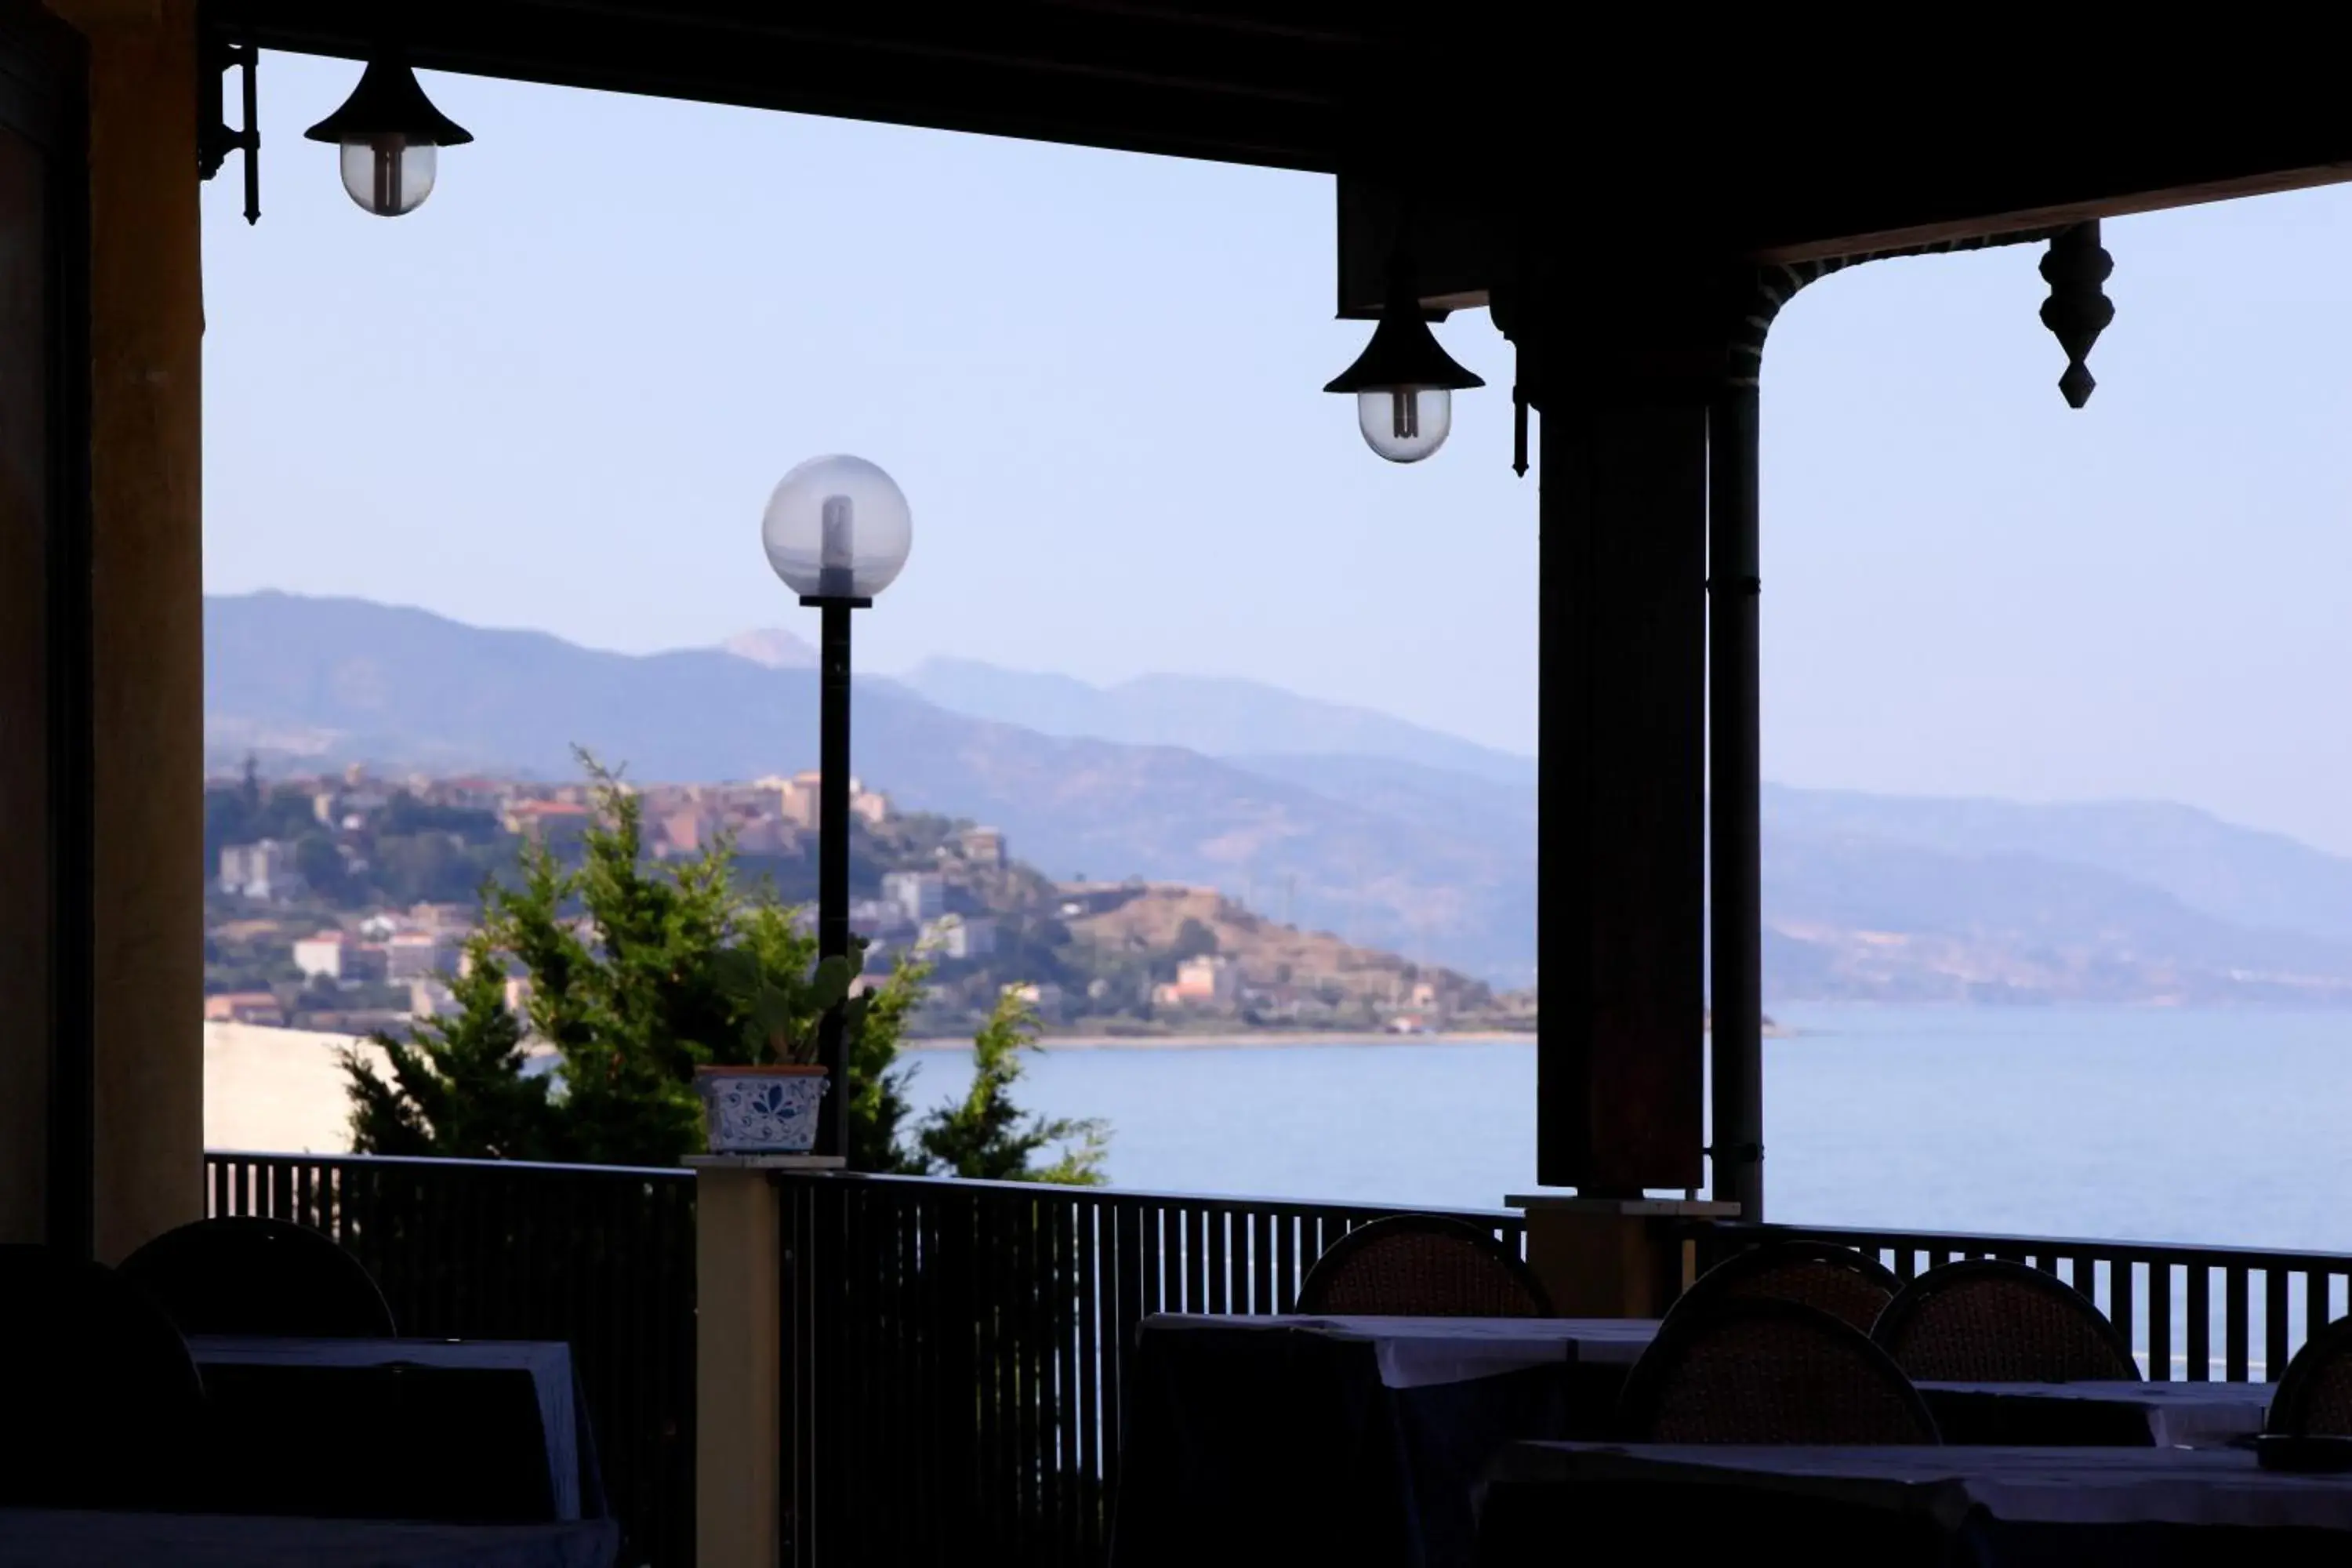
{"points": [[2225, 1127]]}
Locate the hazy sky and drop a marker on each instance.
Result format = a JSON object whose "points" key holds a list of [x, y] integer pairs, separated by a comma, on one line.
{"points": [[558, 394]]}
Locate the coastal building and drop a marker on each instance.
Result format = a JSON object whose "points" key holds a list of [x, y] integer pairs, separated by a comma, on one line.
{"points": [[1043, 996], [418, 954], [336, 955], [321, 957], [429, 997], [1209, 981], [260, 1007]]}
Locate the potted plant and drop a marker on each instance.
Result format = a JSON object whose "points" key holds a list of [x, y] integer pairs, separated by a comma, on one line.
{"points": [[769, 1105]]}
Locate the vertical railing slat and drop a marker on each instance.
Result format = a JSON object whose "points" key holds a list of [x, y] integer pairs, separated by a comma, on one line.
{"points": [[2235, 1305], [2201, 1323]]}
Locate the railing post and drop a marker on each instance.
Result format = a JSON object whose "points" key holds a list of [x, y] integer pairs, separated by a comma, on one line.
{"points": [[739, 1365]]}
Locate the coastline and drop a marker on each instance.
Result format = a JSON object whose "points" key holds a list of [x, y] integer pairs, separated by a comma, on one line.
{"points": [[1244, 1038], [1263, 1039]]}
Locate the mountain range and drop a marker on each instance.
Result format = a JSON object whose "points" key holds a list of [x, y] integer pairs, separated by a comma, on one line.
{"points": [[318, 682], [1343, 819]]}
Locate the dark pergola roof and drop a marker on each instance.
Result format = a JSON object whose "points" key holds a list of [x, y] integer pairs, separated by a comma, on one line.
{"points": [[1715, 135]]}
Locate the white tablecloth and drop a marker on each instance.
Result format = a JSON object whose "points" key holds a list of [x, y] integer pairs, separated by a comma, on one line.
{"points": [[2205, 1487], [1415, 1353]]}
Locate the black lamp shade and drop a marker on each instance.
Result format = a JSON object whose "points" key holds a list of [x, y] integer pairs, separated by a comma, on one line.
{"points": [[389, 102], [1404, 355]]}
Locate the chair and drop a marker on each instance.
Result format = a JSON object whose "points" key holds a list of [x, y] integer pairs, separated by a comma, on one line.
{"points": [[1755, 1369], [1992, 1320], [1847, 1285], [1421, 1266], [100, 1404], [246, 1275], [2315, 1392]]}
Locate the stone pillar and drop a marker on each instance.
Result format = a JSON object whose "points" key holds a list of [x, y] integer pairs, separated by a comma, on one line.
{"points": [[738, 1365], [43, 497], [147, 611]]}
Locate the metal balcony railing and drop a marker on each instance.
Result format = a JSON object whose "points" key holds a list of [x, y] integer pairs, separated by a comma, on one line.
{"points": [[600, 1256], [955, 1351], [2192, 1313]]}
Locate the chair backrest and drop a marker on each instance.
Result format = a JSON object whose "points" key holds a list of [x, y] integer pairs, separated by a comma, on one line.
{"points": [[1848, 1286], [246, 1275], [2315, 1392], [1990, 1320], [1755, 1369], [1421, 1266], [100, 1404]]}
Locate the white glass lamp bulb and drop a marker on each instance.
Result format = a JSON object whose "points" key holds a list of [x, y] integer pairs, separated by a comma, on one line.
{"points": [[388, 174], [1404, 424]]}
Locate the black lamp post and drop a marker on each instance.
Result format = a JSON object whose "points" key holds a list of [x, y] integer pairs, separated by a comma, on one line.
{"points": [[837, 531], [390, 133]]}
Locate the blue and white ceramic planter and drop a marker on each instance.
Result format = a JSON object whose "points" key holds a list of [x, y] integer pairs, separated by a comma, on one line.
{"points": [[761, 1110]]}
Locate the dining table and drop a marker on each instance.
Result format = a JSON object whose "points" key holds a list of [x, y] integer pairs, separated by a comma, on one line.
{"points": [[450, 1431], [1987, 1506], [2098, 1413], [1341, 1438], [1374, 1431]]}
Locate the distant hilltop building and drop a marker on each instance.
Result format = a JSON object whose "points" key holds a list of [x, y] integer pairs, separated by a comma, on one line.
{"points": [[682, 832], [920, 896], [982, 846], [547, 821], [877, 917], [962, 936], [263, 871], [797, 800]]}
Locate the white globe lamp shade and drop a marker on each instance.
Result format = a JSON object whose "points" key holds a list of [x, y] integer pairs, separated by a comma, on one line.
{"points": [[837, 528]]}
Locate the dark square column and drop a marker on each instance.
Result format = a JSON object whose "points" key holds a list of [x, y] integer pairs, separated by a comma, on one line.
{"points": [[1621, 856]]}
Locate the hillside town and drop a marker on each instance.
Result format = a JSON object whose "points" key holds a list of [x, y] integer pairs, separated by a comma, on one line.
{"points": [[343, 902]]}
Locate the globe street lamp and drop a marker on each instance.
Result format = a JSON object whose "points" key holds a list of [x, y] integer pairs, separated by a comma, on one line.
{"points": [[837, 530], [390, 133]]}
